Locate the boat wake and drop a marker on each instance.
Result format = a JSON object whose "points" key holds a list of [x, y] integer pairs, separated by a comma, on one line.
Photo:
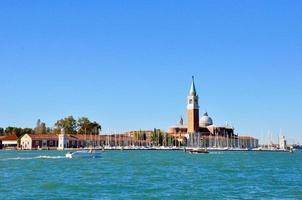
{"points": [[216, 152], [32, 158]]}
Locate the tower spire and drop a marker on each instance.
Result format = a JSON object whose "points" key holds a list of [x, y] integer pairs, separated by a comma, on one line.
{"points": [[181, 121], [193, 89]]}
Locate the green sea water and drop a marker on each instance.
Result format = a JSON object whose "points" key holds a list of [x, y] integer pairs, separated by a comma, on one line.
{"points": [[151, 175]]}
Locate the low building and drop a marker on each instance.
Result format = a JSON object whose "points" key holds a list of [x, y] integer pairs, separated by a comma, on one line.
{"points": [[248, 142], [178, 131], [51, 141], [84, 140], [138, 137], [126, 139], [39, 141], [8, 142]]}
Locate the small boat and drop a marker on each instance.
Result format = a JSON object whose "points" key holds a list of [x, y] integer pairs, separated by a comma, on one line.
{"points": [[92, 153], [291, 149], [198, 151]]}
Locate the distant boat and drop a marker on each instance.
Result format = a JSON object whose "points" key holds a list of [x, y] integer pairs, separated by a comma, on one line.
{"points": [[89, 153], [198, 151]]}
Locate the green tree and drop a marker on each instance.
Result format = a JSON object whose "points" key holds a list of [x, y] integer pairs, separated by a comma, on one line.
{"points": [[12, 131], [68, 123], [169, 140], [157, 137], [1, 131], [56, 131], [96, 127], [19, 132], [48, 130], [85, 126], [40, 127], [185, 141], [140, 137], [27, 131]]}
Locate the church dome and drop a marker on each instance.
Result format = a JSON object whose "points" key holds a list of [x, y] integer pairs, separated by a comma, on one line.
{"points": [[206, 120]]}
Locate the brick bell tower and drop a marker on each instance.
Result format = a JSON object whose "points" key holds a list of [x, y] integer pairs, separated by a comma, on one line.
{"points": [[193, 109]]}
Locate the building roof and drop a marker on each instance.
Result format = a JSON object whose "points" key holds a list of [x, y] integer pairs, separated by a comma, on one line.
{"points": [[247, 138], [76, 137], [215, 137], [9, 137], [219, 127], [43, 136], [178, 126], [86, 137], [205, 120], [141, 131]]}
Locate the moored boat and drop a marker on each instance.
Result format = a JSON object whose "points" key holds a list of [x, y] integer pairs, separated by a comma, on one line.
{"points": [[198, 151]]}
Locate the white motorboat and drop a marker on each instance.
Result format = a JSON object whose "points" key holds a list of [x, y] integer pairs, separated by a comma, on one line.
{"points": [[91, 153], [198, 151]]}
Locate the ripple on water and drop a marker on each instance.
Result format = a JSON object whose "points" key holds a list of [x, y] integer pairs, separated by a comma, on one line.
{"points": [[151, 175]]}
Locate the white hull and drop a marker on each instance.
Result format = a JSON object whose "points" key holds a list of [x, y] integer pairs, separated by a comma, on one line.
{"points": [[84, 154]]}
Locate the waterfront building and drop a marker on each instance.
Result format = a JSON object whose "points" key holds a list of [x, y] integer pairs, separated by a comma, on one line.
{"points": [[62, 141], [179, 131], [140, 134], [8, 142], [204, 132], [139, 137], [248, 142], [39, 141]]}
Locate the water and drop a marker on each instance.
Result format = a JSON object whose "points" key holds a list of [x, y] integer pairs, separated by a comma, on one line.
{"points": [[151, 175]]}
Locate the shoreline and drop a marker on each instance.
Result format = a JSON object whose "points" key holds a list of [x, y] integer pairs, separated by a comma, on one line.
{"points": [[157, 149]]}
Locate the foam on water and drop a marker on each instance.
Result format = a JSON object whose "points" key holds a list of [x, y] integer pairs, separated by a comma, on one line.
{"points": [[32, 158]]}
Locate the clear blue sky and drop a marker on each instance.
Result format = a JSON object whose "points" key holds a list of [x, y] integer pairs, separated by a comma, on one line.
{"points": [[128, 64]]}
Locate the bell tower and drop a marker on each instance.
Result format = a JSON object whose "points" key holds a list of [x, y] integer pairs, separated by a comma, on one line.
{"points": [[193, 109]]}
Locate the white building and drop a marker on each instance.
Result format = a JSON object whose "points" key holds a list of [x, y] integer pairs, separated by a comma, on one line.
{"points": [[8, 142]]}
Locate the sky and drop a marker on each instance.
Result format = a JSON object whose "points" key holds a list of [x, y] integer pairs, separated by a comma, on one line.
{"points": [[128, 64]]}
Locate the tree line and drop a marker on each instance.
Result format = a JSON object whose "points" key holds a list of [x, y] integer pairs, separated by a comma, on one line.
{"points": [[71, 126], [157, 138]]}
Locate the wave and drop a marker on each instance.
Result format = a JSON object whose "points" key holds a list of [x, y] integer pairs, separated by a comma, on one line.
{"points": [[216, 152], [32, 158]]}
